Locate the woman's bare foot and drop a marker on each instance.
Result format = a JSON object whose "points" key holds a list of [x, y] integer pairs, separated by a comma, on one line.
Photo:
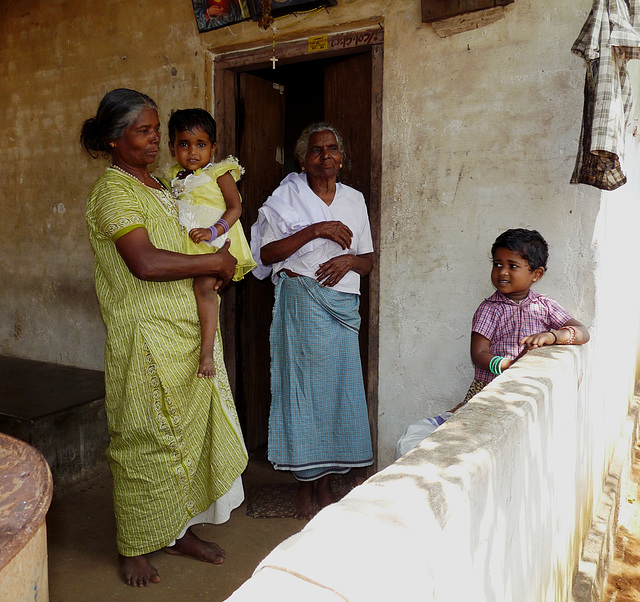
{"points": [[207, 368], [304, 508], [137, 570], [191, 545], [324, 493]]}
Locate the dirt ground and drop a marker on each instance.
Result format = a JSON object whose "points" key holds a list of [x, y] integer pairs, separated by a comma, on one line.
{"points": [[623, 583]]}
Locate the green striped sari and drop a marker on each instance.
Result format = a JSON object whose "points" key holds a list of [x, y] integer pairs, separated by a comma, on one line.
{"points": [[176, 446]]}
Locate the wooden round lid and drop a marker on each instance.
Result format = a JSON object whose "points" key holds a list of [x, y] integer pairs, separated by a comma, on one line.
{"points": [[26, 488]]}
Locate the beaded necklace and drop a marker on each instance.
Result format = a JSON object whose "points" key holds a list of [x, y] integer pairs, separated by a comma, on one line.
{"points": [[166, 198]]}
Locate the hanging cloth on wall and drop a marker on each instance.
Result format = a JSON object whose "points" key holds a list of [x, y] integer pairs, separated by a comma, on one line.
{"points": [[609, 38]]}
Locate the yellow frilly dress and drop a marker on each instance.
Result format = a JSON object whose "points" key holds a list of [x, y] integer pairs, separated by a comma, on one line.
{"points": [[201, 204]]}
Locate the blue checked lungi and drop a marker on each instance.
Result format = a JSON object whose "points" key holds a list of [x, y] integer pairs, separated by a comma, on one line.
{"points": [[318, 422]]}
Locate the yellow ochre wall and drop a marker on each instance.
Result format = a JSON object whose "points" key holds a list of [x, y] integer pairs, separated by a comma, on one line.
{"points": [[57, 59]]}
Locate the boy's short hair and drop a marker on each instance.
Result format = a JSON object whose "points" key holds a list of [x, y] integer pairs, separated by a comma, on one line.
{"points": [[528, 243], [187, 120]]}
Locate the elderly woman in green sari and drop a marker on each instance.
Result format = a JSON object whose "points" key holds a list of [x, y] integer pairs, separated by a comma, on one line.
{"points": [[176, 451]]}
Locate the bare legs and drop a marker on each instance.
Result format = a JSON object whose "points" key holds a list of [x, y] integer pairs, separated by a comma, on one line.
{"points": [[304, 508], [139, 572], [207, 302], [324, 493], [321, 489]]}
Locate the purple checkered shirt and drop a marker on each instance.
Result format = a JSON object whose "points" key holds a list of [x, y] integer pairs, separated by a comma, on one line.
{"points": [[505, 323]]}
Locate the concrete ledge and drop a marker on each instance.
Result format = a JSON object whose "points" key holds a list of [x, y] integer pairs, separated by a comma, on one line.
{"points": [[60, 411], [494, 506], [599, 545]]}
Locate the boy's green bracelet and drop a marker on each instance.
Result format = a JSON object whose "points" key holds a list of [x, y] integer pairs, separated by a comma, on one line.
{"points": [[495, 365]]}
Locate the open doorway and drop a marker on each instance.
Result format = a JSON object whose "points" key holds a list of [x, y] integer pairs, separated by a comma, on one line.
{"points": [[262, 112]]}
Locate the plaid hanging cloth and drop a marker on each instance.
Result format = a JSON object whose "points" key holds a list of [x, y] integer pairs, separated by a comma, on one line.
{"points": [[609, 38]]}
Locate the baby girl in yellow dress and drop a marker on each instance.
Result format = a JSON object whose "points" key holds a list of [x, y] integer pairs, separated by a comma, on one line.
{"points": [[209, 207]]}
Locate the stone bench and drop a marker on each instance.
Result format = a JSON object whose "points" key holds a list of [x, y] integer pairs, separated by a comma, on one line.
{"points": [[59, 410]]}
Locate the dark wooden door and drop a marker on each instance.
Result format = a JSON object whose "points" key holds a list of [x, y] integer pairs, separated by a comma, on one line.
{"points": [[350, 113], [347, 106], [342, 91], [260, 118]]}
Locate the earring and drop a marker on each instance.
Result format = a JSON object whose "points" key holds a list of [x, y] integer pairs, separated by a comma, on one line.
{"points": [[302, 168], [340, 165], [111, 144]]}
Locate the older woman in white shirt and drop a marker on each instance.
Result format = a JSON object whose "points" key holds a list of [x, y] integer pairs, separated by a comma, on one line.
{"points": [[313, 237]]}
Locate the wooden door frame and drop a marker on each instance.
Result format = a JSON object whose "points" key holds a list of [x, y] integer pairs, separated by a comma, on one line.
{"points": [[223, 70]]}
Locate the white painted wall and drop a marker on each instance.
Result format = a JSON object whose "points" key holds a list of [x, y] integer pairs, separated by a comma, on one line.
{"points": [[492, 507], [614, 347], [481, 133]]}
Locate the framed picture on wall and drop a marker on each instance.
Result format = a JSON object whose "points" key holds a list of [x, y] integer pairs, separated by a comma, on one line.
{"points": [[213, 14], [283, 7]]}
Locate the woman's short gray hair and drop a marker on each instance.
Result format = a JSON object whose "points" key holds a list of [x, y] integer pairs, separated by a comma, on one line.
{"points": [[302, 145]]}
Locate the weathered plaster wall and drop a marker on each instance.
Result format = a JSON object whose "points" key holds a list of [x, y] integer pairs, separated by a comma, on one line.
{"points": [[480, 133], [57, 59]]}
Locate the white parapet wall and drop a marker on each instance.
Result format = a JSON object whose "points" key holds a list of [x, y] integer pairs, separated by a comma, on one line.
{"points": [[493, 506]]}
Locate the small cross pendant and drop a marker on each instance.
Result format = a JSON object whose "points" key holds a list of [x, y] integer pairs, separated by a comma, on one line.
{"points": [[273, 60]]}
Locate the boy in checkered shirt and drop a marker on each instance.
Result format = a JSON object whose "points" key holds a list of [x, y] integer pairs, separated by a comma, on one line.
{"points": [[515, 319]]}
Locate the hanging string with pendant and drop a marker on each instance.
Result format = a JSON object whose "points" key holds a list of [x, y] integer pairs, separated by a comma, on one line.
{"points": [[273, 59], [267, 21]]}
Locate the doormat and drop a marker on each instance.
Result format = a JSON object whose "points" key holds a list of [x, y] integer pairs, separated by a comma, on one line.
{"points": [[276, 500]]}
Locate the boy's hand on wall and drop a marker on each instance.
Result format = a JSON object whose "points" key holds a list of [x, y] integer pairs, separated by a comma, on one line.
{"points": [[538, 340], [506, 362]]}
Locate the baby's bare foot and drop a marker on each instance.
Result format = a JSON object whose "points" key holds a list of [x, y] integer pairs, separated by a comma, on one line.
{"points": [[207, 368]]}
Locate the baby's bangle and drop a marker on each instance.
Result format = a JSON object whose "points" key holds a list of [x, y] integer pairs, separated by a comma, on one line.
{"points": [[555, 338], [224, 224], [214, 232]]}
